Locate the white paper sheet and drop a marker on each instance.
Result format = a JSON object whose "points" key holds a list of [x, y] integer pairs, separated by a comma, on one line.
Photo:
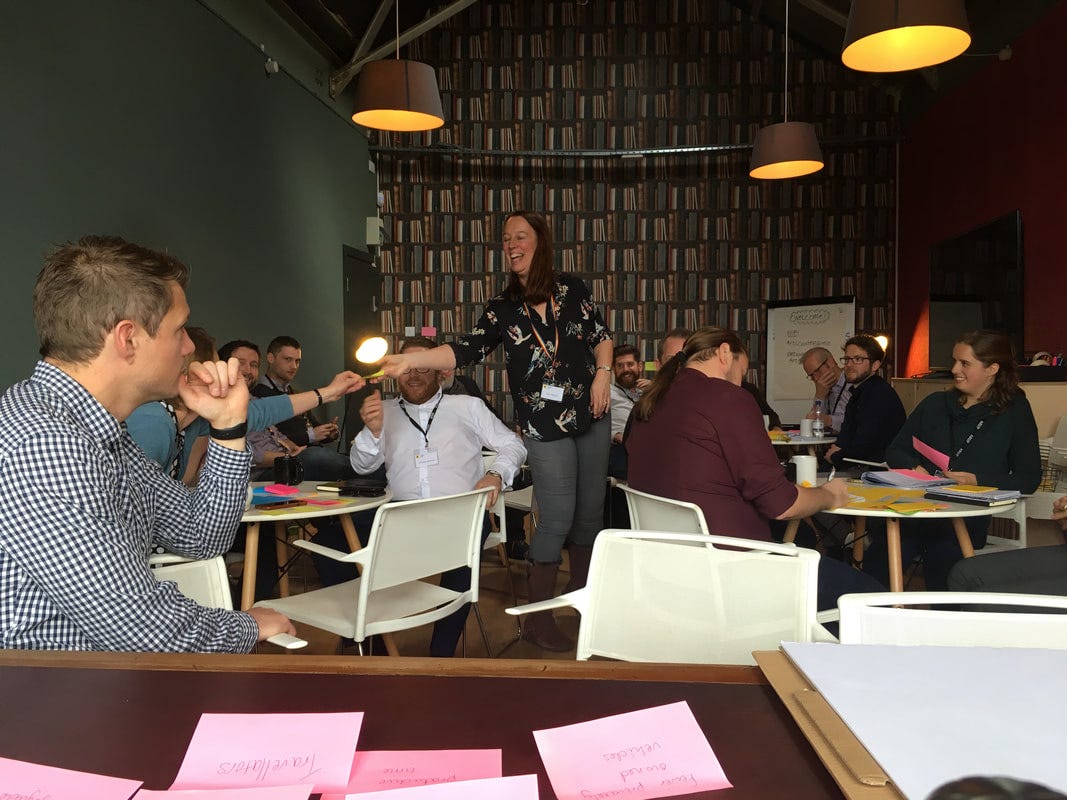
{"points": [[930, 715]]}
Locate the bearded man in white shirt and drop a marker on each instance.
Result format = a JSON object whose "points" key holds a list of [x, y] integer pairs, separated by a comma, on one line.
{"points": [[431, 444]]}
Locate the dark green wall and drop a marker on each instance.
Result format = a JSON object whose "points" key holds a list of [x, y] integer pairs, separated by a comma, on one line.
{"points": [[154, 119]]}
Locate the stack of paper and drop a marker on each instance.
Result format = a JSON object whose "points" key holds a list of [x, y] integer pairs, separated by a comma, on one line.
{"points": [[975, 495], [905, 479]]}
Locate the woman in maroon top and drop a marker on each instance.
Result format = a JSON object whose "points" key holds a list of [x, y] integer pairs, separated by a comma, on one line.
{"points": [[698, 436]]}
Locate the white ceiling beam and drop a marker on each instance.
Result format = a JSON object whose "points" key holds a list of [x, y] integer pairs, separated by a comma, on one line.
{"points": [[376, 24], [340, 78]]}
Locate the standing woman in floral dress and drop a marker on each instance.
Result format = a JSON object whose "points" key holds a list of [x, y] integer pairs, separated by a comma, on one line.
{"points": [[558, 354]]}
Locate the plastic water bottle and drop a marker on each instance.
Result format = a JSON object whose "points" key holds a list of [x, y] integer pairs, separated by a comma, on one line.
{"points": [[817, 428]]}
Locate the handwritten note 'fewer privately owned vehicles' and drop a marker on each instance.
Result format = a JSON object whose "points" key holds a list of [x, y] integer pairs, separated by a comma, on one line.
{"points": [[656, 752]]}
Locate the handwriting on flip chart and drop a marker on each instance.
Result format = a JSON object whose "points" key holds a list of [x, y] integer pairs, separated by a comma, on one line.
{"points": [[231, 750], [655, 752]]}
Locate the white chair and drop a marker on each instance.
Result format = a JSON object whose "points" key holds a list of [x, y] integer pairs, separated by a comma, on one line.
{"points": [[994, 541], [498, 539], [409, 542], [649, 512], [691, 598], [875, 619], [1058, 451], [206, 582]]}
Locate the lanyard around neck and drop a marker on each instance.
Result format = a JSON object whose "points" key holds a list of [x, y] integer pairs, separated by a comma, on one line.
{"points": [[968, 440], [551, 305], [837, 399], [179, 440], [425, 432]]}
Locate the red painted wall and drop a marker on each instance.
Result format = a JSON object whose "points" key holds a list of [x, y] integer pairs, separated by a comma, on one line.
{"points": [[995, 144]]}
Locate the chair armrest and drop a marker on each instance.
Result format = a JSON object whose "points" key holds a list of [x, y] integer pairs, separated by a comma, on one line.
{"points": [[575, 599], [543, 605], [287, 641], [357, 557], [159, 559], [820, 634], [829, 615]]}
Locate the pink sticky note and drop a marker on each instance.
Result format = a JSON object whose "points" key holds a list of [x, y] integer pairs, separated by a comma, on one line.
{"points": [[316, 501], [253, 793], [657, 752], [916, 475], [281, 489], [936, 457], [429, 331], [513, 787], [234, 750], [378, 770], [25, 779]]}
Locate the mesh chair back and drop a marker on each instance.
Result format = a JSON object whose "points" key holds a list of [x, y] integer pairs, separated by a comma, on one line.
{"points": [[419, 538], [648, 512], [204, 581], [986, 619], [691, 598]]}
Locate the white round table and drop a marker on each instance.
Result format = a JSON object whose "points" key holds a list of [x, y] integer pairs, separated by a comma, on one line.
{"points": [[954, 511], [253, 517], [811, 442]]}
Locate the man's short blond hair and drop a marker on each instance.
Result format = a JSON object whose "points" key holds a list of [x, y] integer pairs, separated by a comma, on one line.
{"points": [[87, 287]]}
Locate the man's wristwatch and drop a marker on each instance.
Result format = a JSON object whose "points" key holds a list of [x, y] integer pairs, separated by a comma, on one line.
{"points": [[605, 368], [228, 434], [499, 477]]}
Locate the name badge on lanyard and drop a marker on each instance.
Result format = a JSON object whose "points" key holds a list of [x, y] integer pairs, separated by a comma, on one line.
{"points": [[549, 391], [426, 457], [552, 391]]}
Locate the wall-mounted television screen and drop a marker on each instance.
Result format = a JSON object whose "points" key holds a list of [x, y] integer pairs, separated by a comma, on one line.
{"points": [[976, 281]]}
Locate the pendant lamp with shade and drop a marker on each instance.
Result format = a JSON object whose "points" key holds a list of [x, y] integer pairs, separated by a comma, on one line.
{"points": [[785, 149], [899, 35], [398, 94]]}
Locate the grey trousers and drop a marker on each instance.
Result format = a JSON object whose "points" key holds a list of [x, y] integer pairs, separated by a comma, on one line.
{"points": [[569, 478], [1032, 570]]}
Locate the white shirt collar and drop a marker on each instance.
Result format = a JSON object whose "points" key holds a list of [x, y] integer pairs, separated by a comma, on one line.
{"points": [[431, 402]]}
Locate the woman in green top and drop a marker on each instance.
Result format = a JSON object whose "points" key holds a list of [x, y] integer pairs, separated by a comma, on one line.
{"points": [[985, 426]]}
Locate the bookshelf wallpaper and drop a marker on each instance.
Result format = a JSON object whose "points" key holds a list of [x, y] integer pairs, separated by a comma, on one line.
{"points": [[663, 241]]}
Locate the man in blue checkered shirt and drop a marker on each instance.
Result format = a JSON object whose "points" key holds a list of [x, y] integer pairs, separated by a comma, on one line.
{"points": [[81, 507]]}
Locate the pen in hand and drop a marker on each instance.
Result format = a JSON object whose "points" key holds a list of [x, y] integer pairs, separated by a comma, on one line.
{"points": [[833, 471]]}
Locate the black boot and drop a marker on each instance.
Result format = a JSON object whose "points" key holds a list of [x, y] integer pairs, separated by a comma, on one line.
{"points": [[540, 628], [579, 562]]}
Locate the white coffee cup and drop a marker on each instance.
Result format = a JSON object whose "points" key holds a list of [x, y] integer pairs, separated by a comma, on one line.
{"points": [[805, 427], [806, 469]]}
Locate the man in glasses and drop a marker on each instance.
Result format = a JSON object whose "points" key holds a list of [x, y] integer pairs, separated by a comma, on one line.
{"points": [[874, 413], [831, 387]]}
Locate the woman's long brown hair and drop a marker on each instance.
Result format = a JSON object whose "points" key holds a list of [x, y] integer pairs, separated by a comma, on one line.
{"points": [[542, 277]]}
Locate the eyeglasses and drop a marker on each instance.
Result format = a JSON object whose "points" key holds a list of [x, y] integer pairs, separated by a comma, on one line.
{"points": [[854, 359], [420, 370], [818, 369]]}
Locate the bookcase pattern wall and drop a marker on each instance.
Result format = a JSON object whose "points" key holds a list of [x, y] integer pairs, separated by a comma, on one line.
{"points": [[663, 242]]}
